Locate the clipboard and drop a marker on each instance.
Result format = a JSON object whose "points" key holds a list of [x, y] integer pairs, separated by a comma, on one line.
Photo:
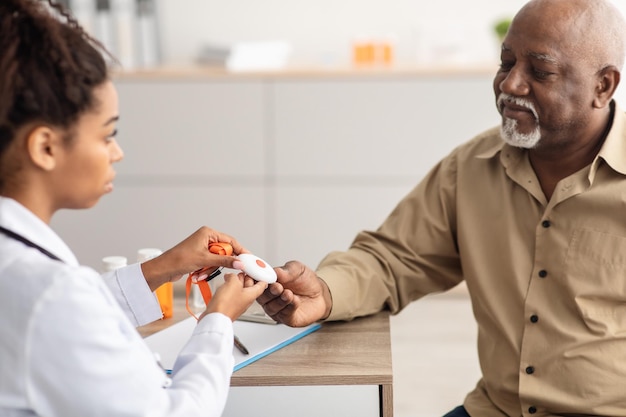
{"points": [[260, 339], [256, 313]]}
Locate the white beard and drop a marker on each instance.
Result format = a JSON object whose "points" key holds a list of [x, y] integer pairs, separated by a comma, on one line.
{"points": [[508, 129], [513, 137]]}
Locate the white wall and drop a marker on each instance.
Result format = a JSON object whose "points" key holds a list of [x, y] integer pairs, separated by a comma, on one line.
{"points": [[620, 95], [321, 31]]}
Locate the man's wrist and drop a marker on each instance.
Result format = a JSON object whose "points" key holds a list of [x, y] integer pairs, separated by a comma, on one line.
{"points": [[327, 297]]}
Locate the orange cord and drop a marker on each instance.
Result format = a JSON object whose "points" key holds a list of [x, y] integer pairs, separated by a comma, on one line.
{"points": [[219, 248], [205, 290]]}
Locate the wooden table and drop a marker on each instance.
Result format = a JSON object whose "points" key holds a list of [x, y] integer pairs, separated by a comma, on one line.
{"points": [[337, 368]]}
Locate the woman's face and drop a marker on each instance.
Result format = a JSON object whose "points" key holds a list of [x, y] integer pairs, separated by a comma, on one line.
{"points": [[85, 171]]}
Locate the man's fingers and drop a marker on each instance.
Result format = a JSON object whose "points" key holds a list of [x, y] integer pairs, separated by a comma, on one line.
{"points": [[272, 291], [279, 304]]}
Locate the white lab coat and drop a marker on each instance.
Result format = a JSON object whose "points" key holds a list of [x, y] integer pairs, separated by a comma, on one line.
{"points": [[68, 343]]}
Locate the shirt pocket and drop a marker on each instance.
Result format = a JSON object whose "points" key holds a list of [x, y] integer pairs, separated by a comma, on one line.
{"points": [[595, 275]]}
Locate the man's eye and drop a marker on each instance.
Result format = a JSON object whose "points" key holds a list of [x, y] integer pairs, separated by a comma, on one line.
{"points": [[541, 74], [505, 66]]}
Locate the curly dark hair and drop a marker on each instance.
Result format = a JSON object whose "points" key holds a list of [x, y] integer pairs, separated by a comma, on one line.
{"points": [[49, 67]]}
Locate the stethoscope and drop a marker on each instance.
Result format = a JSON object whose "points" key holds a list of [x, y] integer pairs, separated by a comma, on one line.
{"points": [[27, 242], [50, 255]]}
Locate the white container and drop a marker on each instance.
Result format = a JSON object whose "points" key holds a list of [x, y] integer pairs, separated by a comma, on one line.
{"points": [[111, 263], [103, 26], [85, 12], [147, 253], [124, 20], [147, 34], [196, 300], [165, 293]]}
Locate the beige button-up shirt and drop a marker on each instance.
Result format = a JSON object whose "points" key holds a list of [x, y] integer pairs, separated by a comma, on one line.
{"points": [[547, 279]]}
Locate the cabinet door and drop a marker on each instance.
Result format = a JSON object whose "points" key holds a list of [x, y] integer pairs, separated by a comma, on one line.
{"points": [[304, 401], [194, 154], [198, 128], [348, 149], [354, 128]]}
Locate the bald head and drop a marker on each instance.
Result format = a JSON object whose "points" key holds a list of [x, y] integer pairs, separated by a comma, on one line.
{"points": [[593, 29]]}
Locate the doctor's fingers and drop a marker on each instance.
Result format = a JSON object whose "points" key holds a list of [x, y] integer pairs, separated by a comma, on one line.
{"points": [[215, 236]]}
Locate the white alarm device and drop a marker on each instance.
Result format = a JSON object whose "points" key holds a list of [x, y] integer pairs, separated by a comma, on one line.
{"points": [[257, 268]]}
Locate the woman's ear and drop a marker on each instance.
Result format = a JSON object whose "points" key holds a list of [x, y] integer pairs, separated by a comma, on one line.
{"points": [[42, 144], [608, 80]]}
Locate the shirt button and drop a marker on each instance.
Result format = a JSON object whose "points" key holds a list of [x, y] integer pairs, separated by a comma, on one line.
{"points": [[530, 370], [534, 318], [545, 223], [543, 273], [532, 409]]}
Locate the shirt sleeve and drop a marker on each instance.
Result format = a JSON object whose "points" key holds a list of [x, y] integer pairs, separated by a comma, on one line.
{"points": [[130, 289], [85, 358], [413, 253]]}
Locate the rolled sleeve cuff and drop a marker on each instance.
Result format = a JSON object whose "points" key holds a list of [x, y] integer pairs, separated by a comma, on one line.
{"points": [[340, 291], [132, 292]]}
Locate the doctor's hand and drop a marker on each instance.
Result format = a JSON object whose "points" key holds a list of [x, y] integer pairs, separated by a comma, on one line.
{"points": [[298, 298], [189, 255], [234, 296]]}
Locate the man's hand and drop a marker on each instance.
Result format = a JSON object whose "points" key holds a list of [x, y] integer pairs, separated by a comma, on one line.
{"points": [[298, 298]]}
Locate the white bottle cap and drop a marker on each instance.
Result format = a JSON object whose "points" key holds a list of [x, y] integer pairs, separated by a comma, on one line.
{"points": [[111, 263], [147, 253]]}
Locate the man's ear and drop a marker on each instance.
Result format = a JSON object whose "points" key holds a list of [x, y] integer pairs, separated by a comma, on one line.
{"points": [[42, 144], [608, 80]]}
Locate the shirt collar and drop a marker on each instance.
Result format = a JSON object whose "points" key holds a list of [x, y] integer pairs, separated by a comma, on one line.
{"points": [[513, 154], [613, 149], [493, 150], [20, 220]]}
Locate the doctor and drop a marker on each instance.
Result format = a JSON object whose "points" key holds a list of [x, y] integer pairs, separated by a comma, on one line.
{"points": [[68, 343]]}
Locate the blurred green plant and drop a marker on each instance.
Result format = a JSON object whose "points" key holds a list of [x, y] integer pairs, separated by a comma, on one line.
{"points": [[501, 27]]}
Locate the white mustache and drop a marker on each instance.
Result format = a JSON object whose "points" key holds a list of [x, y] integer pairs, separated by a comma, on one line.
{"points": [[518, 101]]}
